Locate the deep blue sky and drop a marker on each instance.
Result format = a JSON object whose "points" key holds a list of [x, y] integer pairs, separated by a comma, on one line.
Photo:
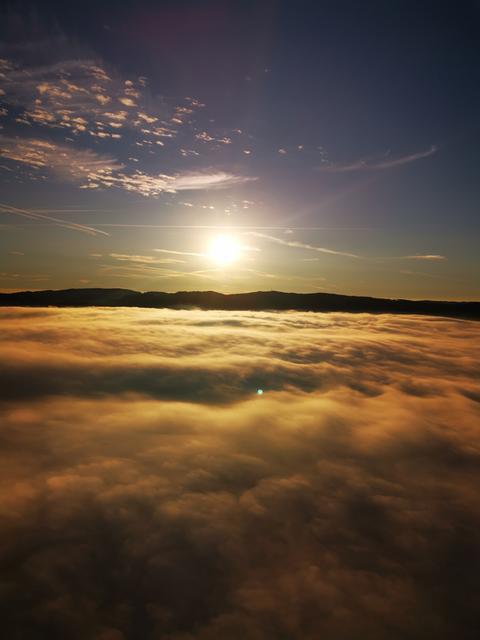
{"points": [[285, 117]]}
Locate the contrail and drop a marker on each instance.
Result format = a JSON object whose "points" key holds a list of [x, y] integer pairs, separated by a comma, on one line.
{"points": [[26, 213], [302, 245], [229, 227]]}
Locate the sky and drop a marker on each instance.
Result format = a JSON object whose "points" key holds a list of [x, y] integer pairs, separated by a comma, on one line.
{"points": [[240, 146], [147, 491]]}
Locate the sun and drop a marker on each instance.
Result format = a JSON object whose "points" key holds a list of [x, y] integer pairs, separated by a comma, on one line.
{"points": [[223, 250]]}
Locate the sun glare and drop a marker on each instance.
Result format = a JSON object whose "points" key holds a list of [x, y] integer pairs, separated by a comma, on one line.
{"points": [[223, 250]]}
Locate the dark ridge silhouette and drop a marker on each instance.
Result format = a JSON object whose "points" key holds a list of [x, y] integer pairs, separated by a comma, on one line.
{"points": [[255, 301]]}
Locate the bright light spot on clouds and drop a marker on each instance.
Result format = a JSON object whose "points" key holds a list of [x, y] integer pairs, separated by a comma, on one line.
{"points": [[223, 250]]}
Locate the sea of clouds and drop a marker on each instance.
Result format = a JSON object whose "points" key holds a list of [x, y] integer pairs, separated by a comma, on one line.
{"points": [[148, 492]]}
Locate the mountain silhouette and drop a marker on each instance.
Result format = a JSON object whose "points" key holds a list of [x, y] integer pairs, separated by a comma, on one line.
{"points": [[254, 301]]}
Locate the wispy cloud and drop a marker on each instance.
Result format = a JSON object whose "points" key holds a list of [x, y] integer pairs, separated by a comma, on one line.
{"points": [[93, 103], [301, 245], [32, 215], [211, 180], [309, 247], [64, 161], [94, 170], [140, 259], [180, 253], [433, 256], [85, 98], [134, 269], [368, 164], [427, 257], [153, 185]]}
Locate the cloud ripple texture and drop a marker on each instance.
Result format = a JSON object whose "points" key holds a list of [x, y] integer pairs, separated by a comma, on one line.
{"points": [[147, 491]]}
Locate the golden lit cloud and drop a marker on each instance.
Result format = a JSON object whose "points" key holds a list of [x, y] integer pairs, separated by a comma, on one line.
{"points": [[212, 180], [64, 161], [222, 475], [73, 94], [426, 257], [94, 170]]}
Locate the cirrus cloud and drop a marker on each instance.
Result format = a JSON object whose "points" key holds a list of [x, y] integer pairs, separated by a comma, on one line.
{"points": [[388, 162], [92, 170]]}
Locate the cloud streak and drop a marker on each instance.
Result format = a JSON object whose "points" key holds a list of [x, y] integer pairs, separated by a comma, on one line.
{"points": [[33, 215], [141, 259], [64, 161], [181, 253], [301, 245], [434, 257], [92, 170], [309, 247], [378, 165], [211, 180]]}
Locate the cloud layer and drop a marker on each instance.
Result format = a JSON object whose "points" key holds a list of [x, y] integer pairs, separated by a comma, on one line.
{"points": [[149, 492], [92, 170], [105, 130]]}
